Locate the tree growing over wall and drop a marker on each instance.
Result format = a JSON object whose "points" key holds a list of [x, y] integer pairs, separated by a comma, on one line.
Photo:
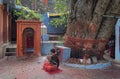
{"points": [[90, 25]]}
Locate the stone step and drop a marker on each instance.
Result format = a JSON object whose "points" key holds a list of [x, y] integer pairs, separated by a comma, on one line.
{"points": [[47, 37], [53, 37], [116, 65], [114, 62], [10, 51]]}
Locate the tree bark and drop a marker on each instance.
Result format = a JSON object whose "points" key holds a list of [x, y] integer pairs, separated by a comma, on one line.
{"points": [[88, 27]]}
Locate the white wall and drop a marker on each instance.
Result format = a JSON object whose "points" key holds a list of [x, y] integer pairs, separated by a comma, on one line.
{"points": [[117, 42], [1, 1]]}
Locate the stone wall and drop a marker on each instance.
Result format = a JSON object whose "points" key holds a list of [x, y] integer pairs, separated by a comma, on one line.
{"points": [[1, 28]]}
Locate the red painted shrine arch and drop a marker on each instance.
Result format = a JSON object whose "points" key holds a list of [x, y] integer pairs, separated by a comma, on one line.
{"points": [[28, 41], [28, 37]]}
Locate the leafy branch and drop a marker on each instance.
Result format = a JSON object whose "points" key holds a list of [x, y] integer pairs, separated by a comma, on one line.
{"points": [[25, 13], [60, 7]]}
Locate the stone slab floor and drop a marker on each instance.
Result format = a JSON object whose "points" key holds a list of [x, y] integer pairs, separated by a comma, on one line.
{"points": [[31, 68]]}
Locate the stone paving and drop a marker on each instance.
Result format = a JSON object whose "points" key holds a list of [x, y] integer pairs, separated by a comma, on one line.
{"points": [[31, 68]]}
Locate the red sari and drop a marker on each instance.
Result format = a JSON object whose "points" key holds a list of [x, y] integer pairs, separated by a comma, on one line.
{"points": [[49, 67]]}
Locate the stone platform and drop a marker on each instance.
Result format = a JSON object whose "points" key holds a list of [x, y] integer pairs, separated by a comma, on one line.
{"points": [[90, 66]]}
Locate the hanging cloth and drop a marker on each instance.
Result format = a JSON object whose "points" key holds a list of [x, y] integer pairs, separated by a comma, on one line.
{"points": [[45, 2]]}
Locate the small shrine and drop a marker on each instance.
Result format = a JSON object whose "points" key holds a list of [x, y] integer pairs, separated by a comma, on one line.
{"points": [[28, 37]]}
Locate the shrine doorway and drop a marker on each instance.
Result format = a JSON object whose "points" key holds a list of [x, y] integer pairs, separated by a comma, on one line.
{"points": [[28, 37], [28, 41]]}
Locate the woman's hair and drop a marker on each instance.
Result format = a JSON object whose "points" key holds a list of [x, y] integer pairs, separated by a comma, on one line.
{"points": [[52, 50]]}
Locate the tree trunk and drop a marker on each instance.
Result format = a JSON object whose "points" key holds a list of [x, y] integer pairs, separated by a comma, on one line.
{"points": [[89, 28]]}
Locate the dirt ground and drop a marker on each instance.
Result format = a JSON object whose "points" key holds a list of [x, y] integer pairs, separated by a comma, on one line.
{"points": [[31, 68]]}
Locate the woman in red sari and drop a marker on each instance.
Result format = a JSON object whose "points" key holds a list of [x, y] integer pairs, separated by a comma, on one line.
{"points": [[53, 61]]}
